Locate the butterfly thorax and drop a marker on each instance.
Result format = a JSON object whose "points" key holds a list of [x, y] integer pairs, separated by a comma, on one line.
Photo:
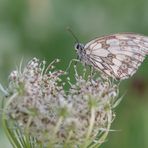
{"points": [[81, 52]]}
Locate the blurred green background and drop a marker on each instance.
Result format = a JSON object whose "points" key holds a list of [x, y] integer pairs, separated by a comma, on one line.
{"points": [[37, 28]]}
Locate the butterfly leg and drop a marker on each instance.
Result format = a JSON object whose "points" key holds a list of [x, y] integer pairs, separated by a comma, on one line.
{"points": [[91, 71], [70, 63]]}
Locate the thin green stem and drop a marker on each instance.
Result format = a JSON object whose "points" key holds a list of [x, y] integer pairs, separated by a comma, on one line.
{"points": [[103, 137], [90, 128], [51, 141], [13, 140], [58, 125], [68, 139]]}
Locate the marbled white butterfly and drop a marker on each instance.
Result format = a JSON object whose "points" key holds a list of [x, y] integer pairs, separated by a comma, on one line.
{"points": [[117, 55]]}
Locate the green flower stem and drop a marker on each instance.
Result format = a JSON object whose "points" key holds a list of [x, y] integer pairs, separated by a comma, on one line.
{"points": [[28, 142], [10, 100], [58, 125], [13, 140], [68, 139], [55, 131], [90, 128], [104, 136]]}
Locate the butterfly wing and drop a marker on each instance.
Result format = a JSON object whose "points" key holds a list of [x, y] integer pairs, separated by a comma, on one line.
{"points": [[117, 55]]}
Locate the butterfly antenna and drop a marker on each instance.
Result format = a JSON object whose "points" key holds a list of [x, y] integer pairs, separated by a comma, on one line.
{"points": [[72, 33]]}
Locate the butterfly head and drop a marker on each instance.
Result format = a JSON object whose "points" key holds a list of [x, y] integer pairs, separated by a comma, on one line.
{"points": [[79, 47]]}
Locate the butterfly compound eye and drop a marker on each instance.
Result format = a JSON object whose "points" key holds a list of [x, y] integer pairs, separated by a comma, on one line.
{"points": [[77, 46]]}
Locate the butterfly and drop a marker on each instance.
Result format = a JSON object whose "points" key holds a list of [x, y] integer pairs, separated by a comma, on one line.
{"points": [[116, 55]]}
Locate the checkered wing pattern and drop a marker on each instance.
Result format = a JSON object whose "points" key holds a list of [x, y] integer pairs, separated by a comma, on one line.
{"points": [[117, 55]]}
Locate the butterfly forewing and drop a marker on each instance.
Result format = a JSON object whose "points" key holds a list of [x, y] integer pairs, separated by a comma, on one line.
{"points": [[117, 55]]}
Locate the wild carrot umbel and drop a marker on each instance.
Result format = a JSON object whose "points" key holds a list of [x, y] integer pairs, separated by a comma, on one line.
{"points": [[38, 112]]}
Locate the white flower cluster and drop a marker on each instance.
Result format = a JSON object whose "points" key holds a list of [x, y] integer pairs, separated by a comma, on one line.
{"points": [[41, 107]]}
